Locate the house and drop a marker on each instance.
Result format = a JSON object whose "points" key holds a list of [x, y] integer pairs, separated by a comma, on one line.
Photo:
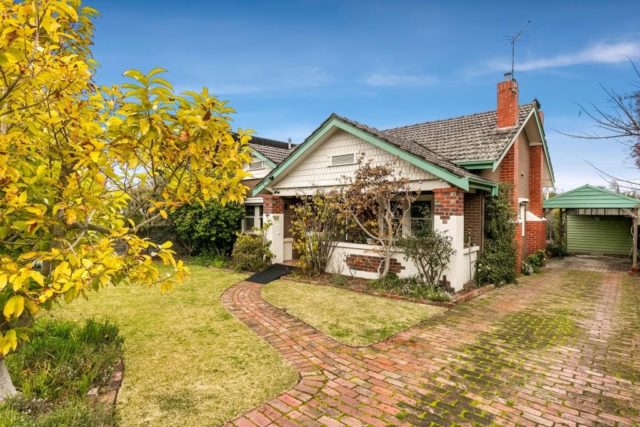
{"points": [[266, 154], [453, 165], [597, 221]]}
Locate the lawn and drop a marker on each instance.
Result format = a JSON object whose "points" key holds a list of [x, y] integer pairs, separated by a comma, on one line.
{"points": [[346, 316], [187, 360]]}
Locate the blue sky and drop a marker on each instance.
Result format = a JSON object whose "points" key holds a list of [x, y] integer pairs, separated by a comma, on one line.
{"points": [[286, 65]]}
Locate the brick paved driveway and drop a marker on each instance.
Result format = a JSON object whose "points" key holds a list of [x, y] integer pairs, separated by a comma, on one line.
{"points": [[562, 347]]}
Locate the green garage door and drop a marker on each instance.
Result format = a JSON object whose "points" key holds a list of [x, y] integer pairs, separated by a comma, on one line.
{"points": [[609, 235]]}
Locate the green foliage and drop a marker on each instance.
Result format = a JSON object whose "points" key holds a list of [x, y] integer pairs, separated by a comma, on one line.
{"points": [[63, 361], [251, 252], [208, 229], [412, 287], [534, 262], [430, 250], [208, 260], [496, 264], [317, 228], [339, 280]]}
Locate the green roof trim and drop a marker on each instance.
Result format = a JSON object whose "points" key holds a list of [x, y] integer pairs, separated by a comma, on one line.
{"points": [[544, 144], [590, 197], [262, 157], [481, 184], [335, 122], [475, 164]]}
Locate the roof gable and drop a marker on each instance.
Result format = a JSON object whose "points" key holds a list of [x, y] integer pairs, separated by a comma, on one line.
{"points": [[407, 150], [588, 196]]}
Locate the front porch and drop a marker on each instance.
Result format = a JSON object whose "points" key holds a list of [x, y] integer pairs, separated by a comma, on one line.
{"points": [[452, 211]]}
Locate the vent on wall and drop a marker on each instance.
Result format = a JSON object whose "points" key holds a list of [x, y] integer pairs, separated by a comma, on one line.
{"points": [[256, 165], [343, 159]]}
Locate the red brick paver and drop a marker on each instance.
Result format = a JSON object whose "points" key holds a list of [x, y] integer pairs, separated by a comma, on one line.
{"points": [[561, 348]]}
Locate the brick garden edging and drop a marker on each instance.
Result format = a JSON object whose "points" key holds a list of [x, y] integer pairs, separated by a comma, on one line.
{"points": [[109, 393]]}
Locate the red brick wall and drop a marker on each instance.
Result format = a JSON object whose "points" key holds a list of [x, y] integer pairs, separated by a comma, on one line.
{"points": [[535, 180], [507, 111], [473, 212], [536, 236], [509, 174], [273, 204], [372, 263], [448, 202]]}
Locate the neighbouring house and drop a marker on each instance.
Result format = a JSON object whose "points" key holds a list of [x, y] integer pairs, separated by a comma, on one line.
{"points": [[596, 221], [452, 164], [266, 154]]}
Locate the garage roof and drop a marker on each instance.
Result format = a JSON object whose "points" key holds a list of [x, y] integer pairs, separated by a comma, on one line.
{"points": [[588, 196]]}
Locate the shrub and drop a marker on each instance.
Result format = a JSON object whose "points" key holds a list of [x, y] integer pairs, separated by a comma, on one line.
{"points": [[534, 262], [63, 361], [496, 264], [430, 251], [207, 230], [411, 287], [209, 260], [556, 250], [316, 229], [251, 252]]}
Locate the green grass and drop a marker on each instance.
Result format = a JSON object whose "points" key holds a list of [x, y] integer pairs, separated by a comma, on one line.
{"points": [[54, 372], [349, 317], [187, 359]]}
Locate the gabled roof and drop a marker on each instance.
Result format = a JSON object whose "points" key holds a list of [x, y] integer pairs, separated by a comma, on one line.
{"points": [[276, 151], [466, 138], [588, 196], [407, 150]]}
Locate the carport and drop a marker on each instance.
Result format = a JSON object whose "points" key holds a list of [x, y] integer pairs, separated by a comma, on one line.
{"points": [[598, 221]]}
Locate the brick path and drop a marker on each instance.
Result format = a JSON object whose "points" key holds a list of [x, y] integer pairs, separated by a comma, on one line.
{"points": [[560, 348]]}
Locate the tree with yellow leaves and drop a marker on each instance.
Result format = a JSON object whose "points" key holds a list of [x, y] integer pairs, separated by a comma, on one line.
{"points": [[83, 168]]}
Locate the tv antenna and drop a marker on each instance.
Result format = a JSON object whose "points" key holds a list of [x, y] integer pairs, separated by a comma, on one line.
{"points": [[513, 39]]}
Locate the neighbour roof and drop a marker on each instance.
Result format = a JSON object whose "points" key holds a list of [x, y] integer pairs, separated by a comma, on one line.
{"points": [[588, 196], [275, 151], [465, 138]]}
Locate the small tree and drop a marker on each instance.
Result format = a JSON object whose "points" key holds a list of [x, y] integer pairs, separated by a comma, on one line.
{"points": [[84, 168], [431, 251], [252, 252], [375, 200], [497, 262], [317, 227]]}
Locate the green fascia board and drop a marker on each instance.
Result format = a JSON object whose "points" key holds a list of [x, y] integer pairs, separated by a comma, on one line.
{"points": [[590, 197], [475, 164], [334, 122], [482, 184], [544, 144], [264, 158]]}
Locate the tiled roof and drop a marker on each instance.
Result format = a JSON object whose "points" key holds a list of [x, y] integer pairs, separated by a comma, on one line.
{"points": [[410, 147], [472, 137], [276, 151]]}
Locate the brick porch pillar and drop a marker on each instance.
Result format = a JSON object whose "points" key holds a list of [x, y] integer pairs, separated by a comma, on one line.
{"points": [[536, 229], [273, 211], [448, 218]]}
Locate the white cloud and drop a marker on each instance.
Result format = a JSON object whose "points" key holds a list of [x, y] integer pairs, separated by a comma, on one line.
{"points": [[599, 53], [395, 80]]}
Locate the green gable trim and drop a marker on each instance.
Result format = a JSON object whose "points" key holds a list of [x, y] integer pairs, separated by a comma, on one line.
{"points": [[481, 184], [334, 122], [544, 144], [475, 164], [588, 196], [262, 157]]}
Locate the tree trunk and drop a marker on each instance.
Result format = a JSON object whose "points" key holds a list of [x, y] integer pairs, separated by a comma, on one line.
{"points": [[7, 388]]}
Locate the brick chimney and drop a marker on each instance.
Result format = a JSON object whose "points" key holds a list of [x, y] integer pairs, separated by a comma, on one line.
{"points": [[507, 102]]}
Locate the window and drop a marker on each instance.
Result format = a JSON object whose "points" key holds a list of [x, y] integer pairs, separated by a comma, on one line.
{"points": [[420, 219], [252, 217], [343, 159], [256, 165]]}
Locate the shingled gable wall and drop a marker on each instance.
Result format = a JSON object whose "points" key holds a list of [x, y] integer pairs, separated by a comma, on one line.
{"points": [[509, 172]]}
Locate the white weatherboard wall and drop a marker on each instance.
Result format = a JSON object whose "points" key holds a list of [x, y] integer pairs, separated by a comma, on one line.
{"points": [[257, 173], [315, 170]]}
